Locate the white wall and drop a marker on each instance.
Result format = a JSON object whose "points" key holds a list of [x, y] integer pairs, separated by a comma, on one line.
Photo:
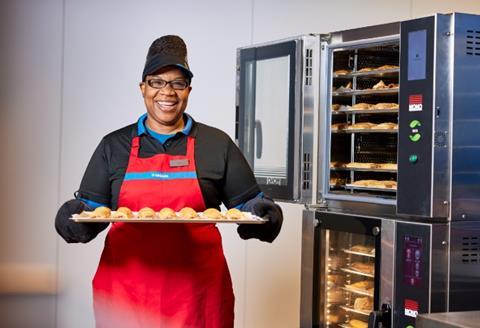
{"points": [[70, 72]]}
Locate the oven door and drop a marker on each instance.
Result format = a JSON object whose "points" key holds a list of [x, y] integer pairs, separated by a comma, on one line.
{"points": [[341, 268], [267, 119]]}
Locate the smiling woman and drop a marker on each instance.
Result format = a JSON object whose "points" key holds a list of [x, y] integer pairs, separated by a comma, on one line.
{"points": [[171, 274]]}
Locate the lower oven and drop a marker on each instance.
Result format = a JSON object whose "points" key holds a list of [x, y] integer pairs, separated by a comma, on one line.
{"points": [[360, 271]]}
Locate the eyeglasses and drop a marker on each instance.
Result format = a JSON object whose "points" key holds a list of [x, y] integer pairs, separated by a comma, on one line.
{"points": [[175, 84]]}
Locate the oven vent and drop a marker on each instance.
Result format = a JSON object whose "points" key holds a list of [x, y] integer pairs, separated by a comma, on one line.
{"points": [[307, 171], [308, 66], [471, 250], [473, 42]]}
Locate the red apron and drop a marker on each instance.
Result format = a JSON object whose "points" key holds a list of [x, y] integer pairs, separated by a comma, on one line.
{"points": [[162, 274]]}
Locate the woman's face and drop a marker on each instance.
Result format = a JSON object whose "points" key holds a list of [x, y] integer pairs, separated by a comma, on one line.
{"points": [[165, 106]]}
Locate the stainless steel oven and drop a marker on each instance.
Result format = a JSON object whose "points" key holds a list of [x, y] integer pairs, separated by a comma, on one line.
{"points": [[397, 124], [375, 130], [398, 175], [362, 271]]}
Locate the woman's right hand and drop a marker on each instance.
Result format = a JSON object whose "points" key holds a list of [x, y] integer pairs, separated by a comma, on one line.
{"points": [[76, 232]]}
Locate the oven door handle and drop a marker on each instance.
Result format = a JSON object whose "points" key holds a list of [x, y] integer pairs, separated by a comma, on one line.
{"points": [[259, 138], [383, 317]]}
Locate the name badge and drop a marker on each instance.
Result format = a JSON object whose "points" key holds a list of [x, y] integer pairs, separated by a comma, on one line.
{"points": [[178, 162]]}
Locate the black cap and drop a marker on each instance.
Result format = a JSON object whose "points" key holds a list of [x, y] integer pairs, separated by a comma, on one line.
{"points": [[168, 50]]}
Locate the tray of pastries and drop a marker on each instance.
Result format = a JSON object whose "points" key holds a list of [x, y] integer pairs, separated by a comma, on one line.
{"points": [[365, 269], [362, 287], [342, 72], [379, 68], [361, 304], [167, 215], [362, 108], [381, 185], [370, 166], [383, 85], [365, 127], [361, 250]]}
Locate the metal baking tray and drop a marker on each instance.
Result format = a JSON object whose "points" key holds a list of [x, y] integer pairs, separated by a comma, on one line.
{"points": [[365, 92], [366, 131], [348, 270], [350, 309], [357, 291], [393, 72], [353, 187], [364, 169], [359, 253], [249, 218], [365, 111], [373, 73]]}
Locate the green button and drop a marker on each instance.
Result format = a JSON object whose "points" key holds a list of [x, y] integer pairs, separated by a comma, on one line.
{"points": [[410, 326], [415, 137], [413, 159], [415, 123]]}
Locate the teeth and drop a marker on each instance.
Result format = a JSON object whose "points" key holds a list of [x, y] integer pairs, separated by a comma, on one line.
{"points": [[166, 105]]}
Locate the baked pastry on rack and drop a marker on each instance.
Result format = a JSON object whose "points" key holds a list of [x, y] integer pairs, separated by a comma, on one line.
{"points": [[363, 284], [339, 126], [347, 87], [359, 165], [336, 107], [365, 69], [387, 166], [363, 249], [386, 126], [361, 125], [335, 279], [336, 164], [379, 85], [389, 184], [363, 303], [363, 267], [342, 71], [385, 106], [385, 67], [362, 106]]}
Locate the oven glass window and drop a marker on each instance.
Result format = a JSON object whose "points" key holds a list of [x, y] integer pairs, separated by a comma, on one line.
{"points": [[350, 272]]}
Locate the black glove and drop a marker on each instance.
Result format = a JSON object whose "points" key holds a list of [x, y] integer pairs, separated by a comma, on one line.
{"points": [[76, 232], [267, 209]]}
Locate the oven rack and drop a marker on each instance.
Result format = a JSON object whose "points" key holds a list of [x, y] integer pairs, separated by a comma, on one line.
{"points": [[365, 92]]}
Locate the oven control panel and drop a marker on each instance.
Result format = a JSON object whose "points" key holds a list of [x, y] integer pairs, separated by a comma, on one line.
{"points": [[416, 117], [412, 273]]}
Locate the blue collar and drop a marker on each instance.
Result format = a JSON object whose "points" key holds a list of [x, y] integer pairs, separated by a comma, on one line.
{"points": [[142, 129]]}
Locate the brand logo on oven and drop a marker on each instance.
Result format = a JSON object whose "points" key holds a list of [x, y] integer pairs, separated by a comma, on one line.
{"points": [[411, 308], [415, 103]]}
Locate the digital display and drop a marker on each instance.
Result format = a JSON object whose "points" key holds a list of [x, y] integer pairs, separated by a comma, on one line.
{"points": [[417, 55], [412, 259]]}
